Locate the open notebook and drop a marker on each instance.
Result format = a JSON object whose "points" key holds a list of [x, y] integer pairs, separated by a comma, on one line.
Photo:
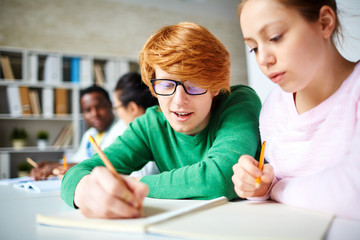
{"points": [[208, 219], [156, 210], [40, 186], [28, 183]]}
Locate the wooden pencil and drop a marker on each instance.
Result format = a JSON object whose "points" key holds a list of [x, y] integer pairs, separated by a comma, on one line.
{"points": [[32, 162], [65, 163], [127, 195], [261, 163]]}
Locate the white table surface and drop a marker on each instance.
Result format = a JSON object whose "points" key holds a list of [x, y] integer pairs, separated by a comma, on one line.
{"points": [[18, 209]]}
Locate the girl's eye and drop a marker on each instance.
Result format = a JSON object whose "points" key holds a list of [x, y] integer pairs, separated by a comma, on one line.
{"points": [[275, 39], [253, 50]]}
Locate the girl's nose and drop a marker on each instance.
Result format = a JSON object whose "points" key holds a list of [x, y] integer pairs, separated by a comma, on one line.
{"points": [[265, 57]]}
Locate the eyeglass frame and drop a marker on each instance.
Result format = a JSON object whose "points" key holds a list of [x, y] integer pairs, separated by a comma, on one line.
{"points": [[117, 107], [177, 83]]}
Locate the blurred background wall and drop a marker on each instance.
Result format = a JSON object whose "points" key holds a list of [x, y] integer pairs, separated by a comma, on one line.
{"points": [[115, 27]]}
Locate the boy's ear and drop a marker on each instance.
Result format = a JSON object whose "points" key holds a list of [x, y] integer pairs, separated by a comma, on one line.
{"points": [[327, 19], [214, 94]]}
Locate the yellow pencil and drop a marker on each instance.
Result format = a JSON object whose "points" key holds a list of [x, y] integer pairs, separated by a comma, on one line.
{"points": [[127, 195], [32, 162], [64, 162], [261, 163]]}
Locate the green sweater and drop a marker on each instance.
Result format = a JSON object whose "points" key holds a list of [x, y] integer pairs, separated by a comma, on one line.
{"points": [[196, 167]]}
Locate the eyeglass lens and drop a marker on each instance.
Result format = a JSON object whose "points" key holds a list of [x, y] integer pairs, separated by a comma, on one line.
{"points": [[168, 87]]}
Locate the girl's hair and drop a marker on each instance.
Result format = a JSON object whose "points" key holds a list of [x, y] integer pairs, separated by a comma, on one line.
{"points": [[190, 52], [132, 89], [309, 9]]}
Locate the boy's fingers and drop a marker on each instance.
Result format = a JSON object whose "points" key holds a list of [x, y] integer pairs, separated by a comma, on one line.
{"points": [[115, 185], [140, 189]]}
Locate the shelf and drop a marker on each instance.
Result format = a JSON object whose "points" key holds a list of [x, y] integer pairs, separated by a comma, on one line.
{"points": [[56, 117], [49, 149], [65, 85], [40, 91]]}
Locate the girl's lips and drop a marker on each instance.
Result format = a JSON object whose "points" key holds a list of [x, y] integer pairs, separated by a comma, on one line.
{"points": [[276, 77]]}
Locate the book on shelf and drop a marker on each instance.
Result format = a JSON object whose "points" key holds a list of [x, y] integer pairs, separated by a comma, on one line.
{"points": [[114, 69], [33, 66], [13, 97], [121, 67], [207, 219], [52, 70], [61, 103], [99, 75], [25, 100], [6, 68], [48, 102], [68, 137], [34, 102], [64, 137], [86, 76], [75, 70], [109, 70]]}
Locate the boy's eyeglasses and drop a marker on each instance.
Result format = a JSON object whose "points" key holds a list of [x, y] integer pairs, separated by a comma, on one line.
{"points": [[167, 87]]}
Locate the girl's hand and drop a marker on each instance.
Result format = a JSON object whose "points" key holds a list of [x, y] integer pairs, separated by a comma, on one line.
{"points": [[245, 173]]}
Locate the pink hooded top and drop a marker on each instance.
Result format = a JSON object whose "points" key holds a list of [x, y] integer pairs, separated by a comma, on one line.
{"points": [[315, 155]]}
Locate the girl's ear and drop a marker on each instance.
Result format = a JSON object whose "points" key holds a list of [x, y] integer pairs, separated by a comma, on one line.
{"points": [[134, 109], [327, 19]]}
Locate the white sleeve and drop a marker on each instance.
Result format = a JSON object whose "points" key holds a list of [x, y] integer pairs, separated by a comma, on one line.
{"points": [[115, 130], [81, 153], [149, 169]]}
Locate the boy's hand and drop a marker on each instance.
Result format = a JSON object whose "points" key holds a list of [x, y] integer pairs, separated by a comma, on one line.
{"points": [[99, 195]]}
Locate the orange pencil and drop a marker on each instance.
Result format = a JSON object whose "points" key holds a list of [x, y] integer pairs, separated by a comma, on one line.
{"points": [[127, 195], [64, 162], [261, 163]]}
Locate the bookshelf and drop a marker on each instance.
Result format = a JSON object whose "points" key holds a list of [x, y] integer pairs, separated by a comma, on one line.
{"points": [[40, 91]]}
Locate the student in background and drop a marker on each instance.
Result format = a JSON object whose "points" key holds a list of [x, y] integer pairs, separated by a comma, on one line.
{"points": [[311, 121], [195, 137], [97, 112], [96, 108], [131, 99]]}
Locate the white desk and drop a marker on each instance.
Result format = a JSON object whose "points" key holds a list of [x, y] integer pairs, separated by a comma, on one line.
{"points": [[18, 209]]}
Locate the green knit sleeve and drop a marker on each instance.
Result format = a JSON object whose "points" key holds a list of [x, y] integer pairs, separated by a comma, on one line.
{"points": [[126, 156]]}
